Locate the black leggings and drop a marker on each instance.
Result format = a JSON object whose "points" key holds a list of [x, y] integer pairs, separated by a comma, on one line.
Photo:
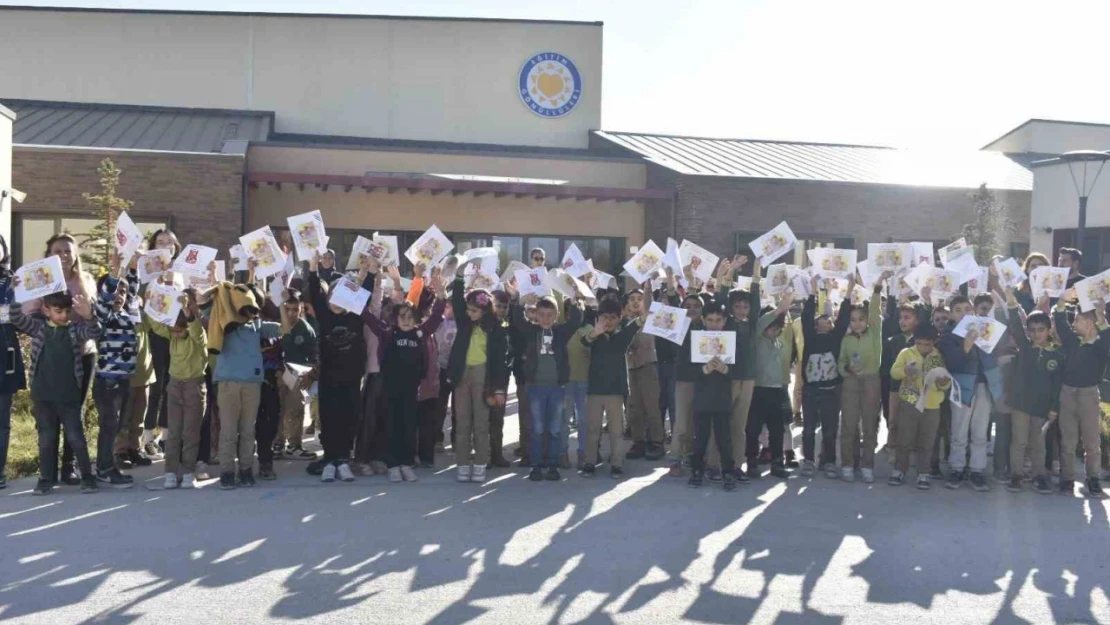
{"points": [[766, 410], [157, 405], [268, 420], [339, 403], [403, 420]]}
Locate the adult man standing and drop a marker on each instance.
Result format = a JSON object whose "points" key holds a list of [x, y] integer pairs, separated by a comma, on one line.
{"points": [[1073, 260]]}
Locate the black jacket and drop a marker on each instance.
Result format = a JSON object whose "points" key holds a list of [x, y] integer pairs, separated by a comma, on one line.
{"points": [[822, 351], [1035, 389], [498, 356], [342, 344], [1084, 363], [12, 375], [530, 336], [608, 369]]}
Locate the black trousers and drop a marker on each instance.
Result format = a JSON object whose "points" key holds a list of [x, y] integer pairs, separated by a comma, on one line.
{"points": [[269, 419], [89, 363], [339, 403], [50, 418], [366, 440], [884, 386], [204, 454], [820, 407], [766, 411], [722, 432], [403, 420], [111, 396], [156, 405], [429, 430]]}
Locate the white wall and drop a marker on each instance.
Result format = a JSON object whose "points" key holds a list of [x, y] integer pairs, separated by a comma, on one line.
{"points": [[6, 117], [1056, 203], [446, 80]]}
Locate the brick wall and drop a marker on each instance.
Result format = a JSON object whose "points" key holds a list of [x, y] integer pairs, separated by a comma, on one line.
{"points": [[711, 210], [199, 195]]}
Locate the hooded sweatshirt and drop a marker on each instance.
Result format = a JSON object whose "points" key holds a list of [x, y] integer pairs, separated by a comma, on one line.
{"points": [[822, 349]]}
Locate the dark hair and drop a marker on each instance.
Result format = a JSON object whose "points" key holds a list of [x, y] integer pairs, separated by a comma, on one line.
{"points": [[737, 295], [1075, 255], [537, 249], [778, 323], [401, 307], [693, 296], [957, 300], [713, 308], [628, 295], [294, 295], [940, 309], [983, 297], [912, 307], [925, 332], [706, 298], [501, 297], [1038, 317], [488, 321], [547, 302], [609, 307], [58, 300], [68, 238], [152, 242]]}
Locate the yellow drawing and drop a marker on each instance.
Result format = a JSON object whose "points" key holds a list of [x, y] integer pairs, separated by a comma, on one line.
{"points": [[160, 302], [481, 281], [40, 277], [1052, 282], [309, 234], [774, 243], [890, 258], [262, 253], [646, 262], [780, 278], [986, 331], [428, 251], [665, 321], [712, 346], [834, 262]]}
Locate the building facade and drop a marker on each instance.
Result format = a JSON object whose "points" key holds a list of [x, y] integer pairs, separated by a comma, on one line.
{"points": [[7, 117]]}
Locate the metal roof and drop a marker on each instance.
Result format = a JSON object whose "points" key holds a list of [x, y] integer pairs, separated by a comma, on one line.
{"points": [[121, 126], [284, 139], [786, 160]]}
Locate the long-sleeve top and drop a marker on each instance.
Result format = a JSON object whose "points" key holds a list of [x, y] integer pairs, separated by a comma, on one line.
{"points": [[13, 377], [608, 370], [117, 351], [744, 369], [531, 335], [864, 351], [822, 349], [373, 365], [80, 283], [81, 331], [969, 368], [768, 355], [713, 391], [914, 384], [1035, 388], [404, 354], [894, 340], [342, 346], [497, 345], [1084, 361], [188, 354]]}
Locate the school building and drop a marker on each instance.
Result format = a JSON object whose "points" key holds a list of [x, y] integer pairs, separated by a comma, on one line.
{"points": [[491, 129]]}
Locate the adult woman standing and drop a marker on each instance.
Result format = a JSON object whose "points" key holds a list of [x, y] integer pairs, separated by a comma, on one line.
{"points": [[1024, 292], [78, 282], [12, 376]]}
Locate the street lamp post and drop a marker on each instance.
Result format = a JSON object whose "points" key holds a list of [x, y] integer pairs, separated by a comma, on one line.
{"points": [[1083, 184]]}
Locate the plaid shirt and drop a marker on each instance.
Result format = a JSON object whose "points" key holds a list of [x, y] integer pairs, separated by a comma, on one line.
{"points": [[80, 331]]}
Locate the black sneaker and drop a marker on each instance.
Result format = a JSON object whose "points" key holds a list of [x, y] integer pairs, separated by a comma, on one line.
{"points": [[1015, 485], [227, 481], [1094, 488], [713, 474], [137, 459], [69, 475], [695, 480], [741, 477], [955, 479], [3, 482], [935, 473], [279, 450], [777, 470], [246, 478], [304, 454], [123, 461], [536, 475], [753, 469], [88, 485], [616, 473], [114, 479], [588, 470], [552, 474], [654, 452], [266, 472], [1067, 487], [1041, 485], [316, 467], [791, 459], [43, 487], [979, 483], [729, 482], [636, 452]]}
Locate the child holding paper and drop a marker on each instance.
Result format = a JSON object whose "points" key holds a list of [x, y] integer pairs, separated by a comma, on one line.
{"points": [[860, 353], [902, 318], [342, 366], [918, 420], [769, 400], [822, 379], [1085, 344], [642, 406], [57, 369], [299, 347], [713, 408]]}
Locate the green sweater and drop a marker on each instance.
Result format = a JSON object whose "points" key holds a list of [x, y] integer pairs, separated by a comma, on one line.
{"points": [[868, 346], [188, 355]]}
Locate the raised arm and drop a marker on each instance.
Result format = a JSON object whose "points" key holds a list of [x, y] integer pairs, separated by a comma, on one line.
{"points": [[844, 316]]}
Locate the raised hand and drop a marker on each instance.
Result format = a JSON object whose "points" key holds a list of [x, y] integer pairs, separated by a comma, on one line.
{"points": [[82, 306]]}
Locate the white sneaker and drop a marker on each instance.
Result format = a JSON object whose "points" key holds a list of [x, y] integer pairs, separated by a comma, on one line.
{"points": [[202, 471], [171, 481], [345, 473], [478, 474], [329, 473], [188, 481], [808, 468], [848, 474], [868, 476], [464, 473], [395, 474], [408, 474]]}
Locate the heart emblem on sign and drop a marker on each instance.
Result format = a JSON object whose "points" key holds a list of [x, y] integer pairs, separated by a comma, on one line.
{"points": [[550, 85]]}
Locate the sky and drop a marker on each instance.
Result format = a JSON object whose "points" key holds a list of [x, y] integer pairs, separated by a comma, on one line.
{"points": [[933, 75]]}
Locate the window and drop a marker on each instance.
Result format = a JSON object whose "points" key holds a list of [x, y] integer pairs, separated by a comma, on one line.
{"points": [[798, 255], [31, 233]]}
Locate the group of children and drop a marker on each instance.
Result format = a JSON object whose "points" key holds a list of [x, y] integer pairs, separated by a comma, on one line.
{"points": [[240, 371]]}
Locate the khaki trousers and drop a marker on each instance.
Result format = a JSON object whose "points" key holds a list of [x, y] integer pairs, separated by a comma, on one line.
{"points": [[916, 435], [1026, 436], [1078, 419], [892, 421], [292, 415], [682, 435], [859, 402], [128, 436], [472, 417], [184, 412], [738, 423], [238, 403], [597, 406], [643, 405]]}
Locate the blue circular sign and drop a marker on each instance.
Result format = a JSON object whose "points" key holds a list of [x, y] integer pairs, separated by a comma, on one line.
{"points": [[549, 84]]}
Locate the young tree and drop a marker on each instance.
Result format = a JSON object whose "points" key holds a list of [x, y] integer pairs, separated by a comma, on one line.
{"points": [[991, 226], [97, 244]]}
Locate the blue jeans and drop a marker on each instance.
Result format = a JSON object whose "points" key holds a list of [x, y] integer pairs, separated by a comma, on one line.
{"points": [[576, 392], [5, 429], [666, 392], [546, 403]]}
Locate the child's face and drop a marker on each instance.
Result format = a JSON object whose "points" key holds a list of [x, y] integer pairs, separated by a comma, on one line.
{"points": [[609, 321], [405, 320], [858, 321], [635, 304], [693, 308], [501, 309], [907, 320], [545, 317], [179, 332], [715, 322], [824, 325], [924, 346], [773, 332], [327, 261], [940, 320], [473, 313], [56, 315], [1038, 334], [292, 310], [983, 309], [741, 308], [959, 311]]}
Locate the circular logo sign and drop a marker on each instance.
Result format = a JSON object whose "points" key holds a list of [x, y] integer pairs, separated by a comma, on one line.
{"points": [[549, 84]]}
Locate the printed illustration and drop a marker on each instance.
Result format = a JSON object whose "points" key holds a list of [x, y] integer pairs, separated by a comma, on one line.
{"points": [[712, 346], [39, 278], [646, 262], [665, 321], [263, 253]]}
